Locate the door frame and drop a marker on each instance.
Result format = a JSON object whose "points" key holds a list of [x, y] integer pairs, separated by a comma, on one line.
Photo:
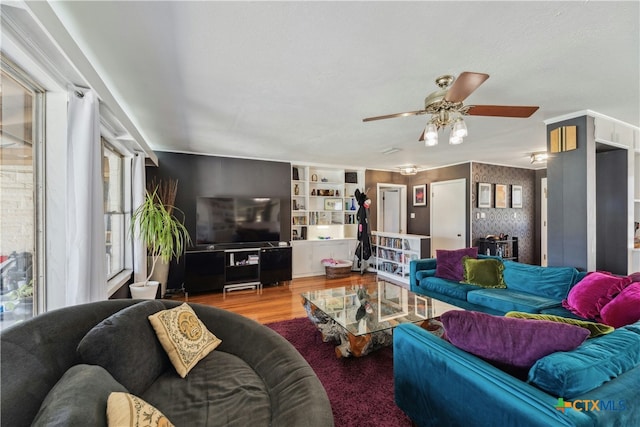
{"points": [[380, 187]]}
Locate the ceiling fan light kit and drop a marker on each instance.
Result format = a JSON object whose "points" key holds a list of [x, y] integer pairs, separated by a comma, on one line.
{"points": [[446, 108]]}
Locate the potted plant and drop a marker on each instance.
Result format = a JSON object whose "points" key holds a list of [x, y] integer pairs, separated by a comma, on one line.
{"points": [[163, 233]]}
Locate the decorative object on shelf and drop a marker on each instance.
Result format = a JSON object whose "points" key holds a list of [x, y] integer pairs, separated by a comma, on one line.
{"points": [[484, 195], [313, 192], [420, 195], [516, 196], [314, 177], [295, 174], [333, 204], [501, 196], [324, 179], [353, 204], [337, 193], [351, 177], [296, 190]]}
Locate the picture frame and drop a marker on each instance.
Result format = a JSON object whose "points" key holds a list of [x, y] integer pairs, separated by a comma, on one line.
{"points": [[484, 195], [501, 196], [420, 195], [332, 204], [516, 196]]}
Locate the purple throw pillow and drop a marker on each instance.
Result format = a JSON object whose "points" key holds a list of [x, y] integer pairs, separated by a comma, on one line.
{"points": [[623, 309], [449, 262], [507, 340], [593, 292]]}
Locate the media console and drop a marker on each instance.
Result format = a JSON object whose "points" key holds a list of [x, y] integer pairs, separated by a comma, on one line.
{"points": [[236, 266]]}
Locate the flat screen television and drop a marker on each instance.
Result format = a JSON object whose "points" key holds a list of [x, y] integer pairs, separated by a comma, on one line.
{"points": [[237, 220]]}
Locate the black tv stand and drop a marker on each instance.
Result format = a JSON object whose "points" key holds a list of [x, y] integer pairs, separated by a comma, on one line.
{"points": [[232, 266]]}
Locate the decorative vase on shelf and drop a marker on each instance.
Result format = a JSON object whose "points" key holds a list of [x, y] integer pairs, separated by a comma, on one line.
{"points": [[353, 204], [296, 190]]}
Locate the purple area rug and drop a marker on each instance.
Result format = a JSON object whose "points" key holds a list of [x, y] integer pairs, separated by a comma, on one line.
{"points": [[360, 389]]}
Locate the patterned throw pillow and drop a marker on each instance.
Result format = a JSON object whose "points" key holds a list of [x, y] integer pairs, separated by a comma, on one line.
{"points": [[127, 410], [183, 336]]}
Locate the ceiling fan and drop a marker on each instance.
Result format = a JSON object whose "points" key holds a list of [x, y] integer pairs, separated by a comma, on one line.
{"points": [[446, 107]]}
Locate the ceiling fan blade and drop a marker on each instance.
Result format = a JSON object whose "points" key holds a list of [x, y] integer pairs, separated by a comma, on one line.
{"points": [[390, 116], [502, 111], [464, 85]]}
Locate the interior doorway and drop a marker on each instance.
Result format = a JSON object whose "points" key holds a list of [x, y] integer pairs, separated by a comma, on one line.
{"points": [[448, 215], [392, 208]]}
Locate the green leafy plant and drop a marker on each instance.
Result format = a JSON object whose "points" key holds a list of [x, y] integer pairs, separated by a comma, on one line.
{"points": [[164, 234]]}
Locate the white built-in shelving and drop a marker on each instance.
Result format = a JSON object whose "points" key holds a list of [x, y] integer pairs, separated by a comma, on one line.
{"points": [[393, 253]]}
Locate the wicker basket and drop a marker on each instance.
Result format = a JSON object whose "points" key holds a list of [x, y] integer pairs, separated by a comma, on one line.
{"points": [[337, 271]]}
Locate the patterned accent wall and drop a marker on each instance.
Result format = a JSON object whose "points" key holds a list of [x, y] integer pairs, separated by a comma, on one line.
{"points": [[514, 222]]}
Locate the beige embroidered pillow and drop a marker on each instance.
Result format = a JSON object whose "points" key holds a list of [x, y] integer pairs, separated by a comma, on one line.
{"points": [[183, 336], [127, 410]]}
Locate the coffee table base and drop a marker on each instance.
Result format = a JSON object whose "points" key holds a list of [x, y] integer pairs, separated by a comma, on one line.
{"points": [[350, 345]]}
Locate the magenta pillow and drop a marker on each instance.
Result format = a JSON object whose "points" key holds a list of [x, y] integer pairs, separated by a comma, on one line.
{"points": [[593, 292], [508, 340], [623, 309], [449, 262]]}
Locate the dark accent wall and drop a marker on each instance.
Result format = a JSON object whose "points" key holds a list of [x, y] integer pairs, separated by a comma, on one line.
{"points": [[567, 174], [514, 222], [421, 224], [211, 176], [611, 221]]}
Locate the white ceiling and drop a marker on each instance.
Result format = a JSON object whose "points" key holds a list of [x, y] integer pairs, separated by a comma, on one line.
{"points": [[292, 81]]}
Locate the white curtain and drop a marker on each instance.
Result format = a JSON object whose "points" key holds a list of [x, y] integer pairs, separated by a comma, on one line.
{"points": [[137, 195], [86, 252]]}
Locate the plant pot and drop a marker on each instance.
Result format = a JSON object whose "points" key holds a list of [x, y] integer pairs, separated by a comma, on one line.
{"points": [[140, 290], [160, 274]]}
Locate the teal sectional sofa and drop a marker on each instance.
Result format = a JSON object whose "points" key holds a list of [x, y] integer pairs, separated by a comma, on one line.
{"points": [[529, 288], [437, 384]]}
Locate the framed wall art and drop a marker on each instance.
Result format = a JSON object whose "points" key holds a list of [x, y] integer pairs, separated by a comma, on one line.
{"points": [[332, 204], [484, 195], [420, 195], [516, 196], [501, 196]]}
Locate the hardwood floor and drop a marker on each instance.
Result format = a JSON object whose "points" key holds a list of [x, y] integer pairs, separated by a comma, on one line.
{"points": [[277, 302]]}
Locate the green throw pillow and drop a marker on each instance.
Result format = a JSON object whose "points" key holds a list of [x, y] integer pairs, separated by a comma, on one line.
{"points": [[483, 272], [596, 329]]}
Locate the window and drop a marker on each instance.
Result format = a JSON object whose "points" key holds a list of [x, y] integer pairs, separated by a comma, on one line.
{"points": [[21, 108], [114, 214]]}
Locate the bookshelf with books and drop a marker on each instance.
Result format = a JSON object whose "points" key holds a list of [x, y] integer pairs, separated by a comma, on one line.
{"points": [[393, 252]]}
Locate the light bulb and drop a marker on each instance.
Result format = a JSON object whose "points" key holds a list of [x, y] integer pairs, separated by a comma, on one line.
{"points": [[454, 140], [430, 142], [431, 132], [459, 128]]}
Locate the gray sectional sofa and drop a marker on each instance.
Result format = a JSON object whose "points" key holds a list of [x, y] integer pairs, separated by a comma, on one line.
{"points": [[255, 377]]}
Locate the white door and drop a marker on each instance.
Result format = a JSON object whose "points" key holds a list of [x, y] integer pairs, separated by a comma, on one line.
{"points": [[448, 215], [543, 222], [391, 210]]}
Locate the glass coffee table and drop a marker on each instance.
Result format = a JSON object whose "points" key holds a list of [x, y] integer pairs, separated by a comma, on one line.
{"points": [[362, 317]]}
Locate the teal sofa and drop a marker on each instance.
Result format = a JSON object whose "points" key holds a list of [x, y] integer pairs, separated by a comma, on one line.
{"points": [[529, 288], [437, 384]]}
